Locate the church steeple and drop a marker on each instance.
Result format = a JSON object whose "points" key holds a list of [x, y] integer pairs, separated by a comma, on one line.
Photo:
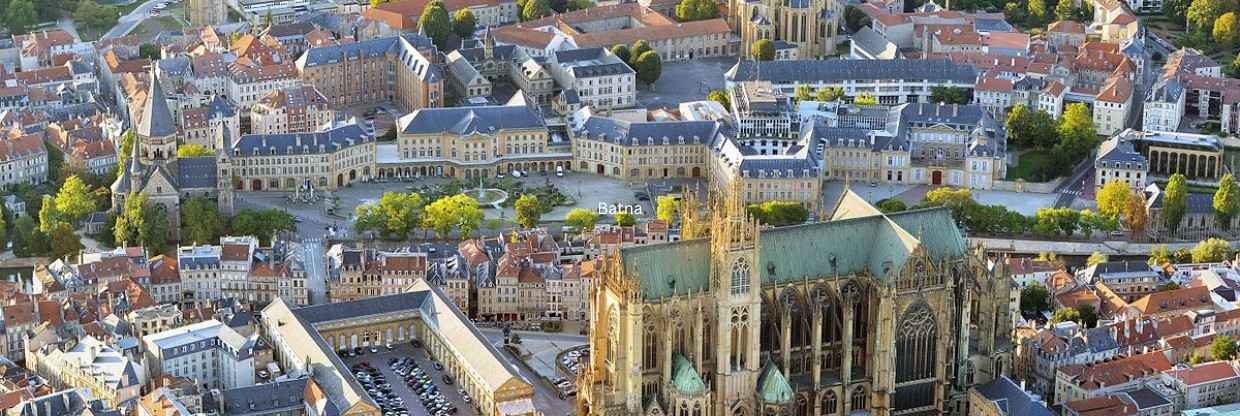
{"points": [[135, 170], [157, 129]]}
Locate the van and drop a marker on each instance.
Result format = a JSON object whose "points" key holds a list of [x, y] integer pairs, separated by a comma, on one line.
{"points": [[559, 171]]}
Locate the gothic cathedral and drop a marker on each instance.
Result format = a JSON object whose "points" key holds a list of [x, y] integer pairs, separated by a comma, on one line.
{"points": [[808, 25], [867, 313]]}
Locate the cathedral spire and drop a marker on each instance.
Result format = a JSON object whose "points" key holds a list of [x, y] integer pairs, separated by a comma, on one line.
{"points": [[156, 119]]}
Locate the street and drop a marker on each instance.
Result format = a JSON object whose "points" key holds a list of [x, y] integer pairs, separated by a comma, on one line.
{"points": [[546, 398], [127, 22], [313, 257]]}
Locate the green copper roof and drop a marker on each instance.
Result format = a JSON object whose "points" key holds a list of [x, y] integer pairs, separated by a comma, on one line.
{"points": [[772, 386], [685, 378], [879, 244], [667, 269]]}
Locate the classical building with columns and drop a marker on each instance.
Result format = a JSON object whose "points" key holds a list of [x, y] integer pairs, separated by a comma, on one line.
{"points": [[1198, 156], [888, 314], [307, 338]]}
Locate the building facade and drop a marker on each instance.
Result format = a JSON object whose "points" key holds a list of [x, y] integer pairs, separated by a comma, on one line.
{"points": [[773, 321]]}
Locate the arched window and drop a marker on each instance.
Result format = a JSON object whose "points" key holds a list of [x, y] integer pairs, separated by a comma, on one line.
{"points": [[916, 353], [830, 405], [650, 351], [740, 276], [859, 399]]}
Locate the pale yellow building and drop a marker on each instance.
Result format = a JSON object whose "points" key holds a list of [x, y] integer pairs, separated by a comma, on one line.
{"points": [[472, 142]]}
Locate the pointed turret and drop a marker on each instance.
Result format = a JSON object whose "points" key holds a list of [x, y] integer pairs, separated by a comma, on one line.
{"points": [[156, 119]]}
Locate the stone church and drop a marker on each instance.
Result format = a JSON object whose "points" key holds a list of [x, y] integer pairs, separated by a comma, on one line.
{"points": [[867, 313], [808, 25], [155, 170]]}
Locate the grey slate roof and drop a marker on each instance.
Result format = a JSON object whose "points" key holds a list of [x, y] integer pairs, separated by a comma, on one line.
{"points": [[156, 120], [837, 70], [601, 70], [478, 54], [196, 172], [1011, 399], [1167, 90], [1146, 398], [1100, 340], [646, 133], [1115, 150], [264, 398], [331, 140], [470, 120], [991, 25], [875, 44], [370, 306], [221, 108], [375, 48]]}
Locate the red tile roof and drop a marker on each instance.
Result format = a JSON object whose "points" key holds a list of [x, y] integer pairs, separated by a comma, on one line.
{"points": [[1205, 373]]}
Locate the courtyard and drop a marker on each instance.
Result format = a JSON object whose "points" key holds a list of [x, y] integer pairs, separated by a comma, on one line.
{"points": [[592, 192], [683, 81]]}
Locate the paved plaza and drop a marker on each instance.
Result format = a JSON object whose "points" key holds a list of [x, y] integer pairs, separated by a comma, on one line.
{"points": [[685, 81]]}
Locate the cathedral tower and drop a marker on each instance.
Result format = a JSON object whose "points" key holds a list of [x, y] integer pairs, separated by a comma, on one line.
{"points": [[737, 287], [156, 129]]}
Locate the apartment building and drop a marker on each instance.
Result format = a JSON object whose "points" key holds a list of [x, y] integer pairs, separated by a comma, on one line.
{"points": [[1164, 106], [89, 364], [403, 70], [624, 23], [209, 352], [890, 81], [403, 15], [1202, 385], [361, 274], [1118, 160], [154, 319], [23, 159], [597, 77], [1084, 381], [472, 142], [328, 159], [300, 109]]}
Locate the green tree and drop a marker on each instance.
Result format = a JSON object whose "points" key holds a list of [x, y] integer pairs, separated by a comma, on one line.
{"points": [[762, 50], [400, 213], [865, 99], [1113, 197], [149, 51], [1078, 125], [649, 67], [26, 237], [802, 93], [127, 230], [624, 219], [1176, 10], [666, 208], [1223, 347], [201, 222], [855, 19], [464, 23], [155, 228], [20, 16], [434, 22], [1065, 10], [261, 223], [1089, 316], [535, 9], [891, 205], [721, 97], [528, 211], [1212, 250], [690, 10], [779, 213], [1226, 201], [368, 218], [622, 51], [193, 150], [64, 243], [1067, 314], [1058, 220], [49, 216], [640, 47], [458, 211], [1096, 258], [1196, 358], [1201, 14], [1227, 30], [579, 4], [1175, 202], [582, 219], [957, 199], [950, 95], [94, 16], [1034, 299], [1038, 13], [75, 200], [829, 94]]}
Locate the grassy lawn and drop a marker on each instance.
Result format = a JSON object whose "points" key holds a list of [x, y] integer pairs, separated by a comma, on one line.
{"points": [[154, 25], [1032, 166]]}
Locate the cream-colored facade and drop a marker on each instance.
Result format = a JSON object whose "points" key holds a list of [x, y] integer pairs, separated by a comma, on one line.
{"points": [[377, 274], [402, 70], [89, 364], [293, 110], [325, 160], [155, 319], [472, 142], [796, 320], [318, 331], [206, 13]]}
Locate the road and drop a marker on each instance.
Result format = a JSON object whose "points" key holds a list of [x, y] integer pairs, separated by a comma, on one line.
{"points": [[546, 398], [127, 22], [70, 27], [313, 256], [1072, 188]]}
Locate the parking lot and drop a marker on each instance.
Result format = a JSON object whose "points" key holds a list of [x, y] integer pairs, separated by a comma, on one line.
{"points": [[401, 397]]}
